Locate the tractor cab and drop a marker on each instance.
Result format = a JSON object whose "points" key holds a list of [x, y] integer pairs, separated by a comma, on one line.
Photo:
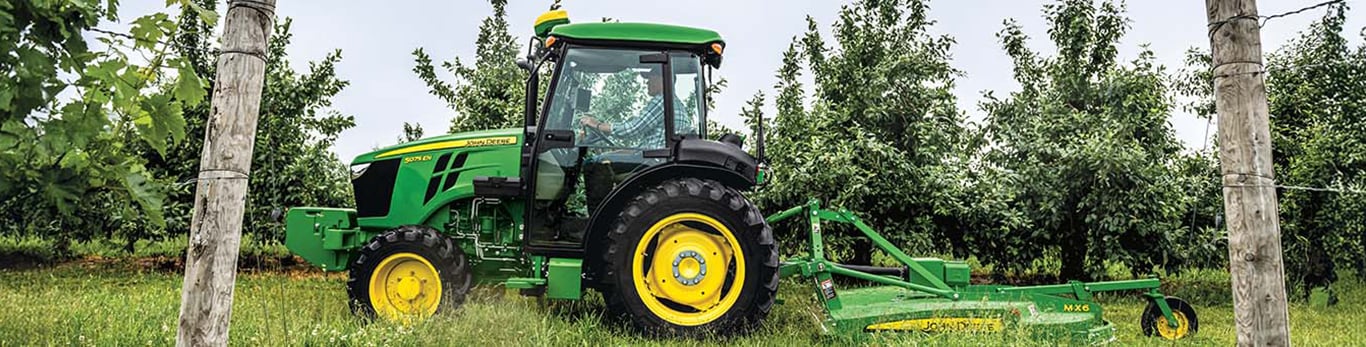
{"points": [[624, 109]]}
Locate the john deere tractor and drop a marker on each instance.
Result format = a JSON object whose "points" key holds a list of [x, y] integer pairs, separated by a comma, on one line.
{"points": [[611, 184]]}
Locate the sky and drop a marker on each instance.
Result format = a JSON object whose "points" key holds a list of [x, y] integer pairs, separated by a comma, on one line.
{"points": [[377, 38]]}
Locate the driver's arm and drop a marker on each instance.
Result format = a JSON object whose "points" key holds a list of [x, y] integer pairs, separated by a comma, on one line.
{"points": [[650, 118]]}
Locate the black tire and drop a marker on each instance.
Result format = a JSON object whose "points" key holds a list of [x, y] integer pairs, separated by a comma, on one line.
{"points": [[1152, 313], [711, 199], [449, 262]]}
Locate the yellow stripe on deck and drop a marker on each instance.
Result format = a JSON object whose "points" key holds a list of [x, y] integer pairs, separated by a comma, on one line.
{"points": [[943, 325]]}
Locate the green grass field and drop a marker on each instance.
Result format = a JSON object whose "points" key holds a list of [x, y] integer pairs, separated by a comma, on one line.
{"points": [[109, 305]]}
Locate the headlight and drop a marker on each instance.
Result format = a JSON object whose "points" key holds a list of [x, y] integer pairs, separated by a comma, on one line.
{"points": [[358, 170]]}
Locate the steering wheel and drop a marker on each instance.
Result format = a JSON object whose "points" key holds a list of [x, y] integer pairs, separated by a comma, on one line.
{"points": [[596, 135]]}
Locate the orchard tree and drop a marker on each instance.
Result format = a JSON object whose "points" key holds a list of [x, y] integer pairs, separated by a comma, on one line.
{"points": [[1087, 144], [883, 135], [1317, 98], [488, 94], [1314, 88], [293, 164], [67, 115]]}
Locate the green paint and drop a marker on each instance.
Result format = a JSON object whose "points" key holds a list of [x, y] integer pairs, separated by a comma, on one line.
{"points": [[323, 236], [638, 32], [939, 292], [563, 277], [329, 237]]}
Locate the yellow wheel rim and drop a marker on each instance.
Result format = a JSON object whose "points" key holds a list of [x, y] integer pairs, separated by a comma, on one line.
{"points": [[404, 288], [689, 279], [1181, 330]]}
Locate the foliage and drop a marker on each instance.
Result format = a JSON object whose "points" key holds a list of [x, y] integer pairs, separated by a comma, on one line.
{"points": [[753, 116], [67, 112], [488, 94], [411, 132], [1318, 123], [1314, 91], [882, 135], [1086, 146], [292, 160]]}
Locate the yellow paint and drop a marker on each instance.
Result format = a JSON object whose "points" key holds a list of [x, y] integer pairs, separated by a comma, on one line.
{"points": [[1076, 308], [417, 158], [551, 15], [657, 281], [487, 141], [405, 288], [1182, 329], [943, 325]]}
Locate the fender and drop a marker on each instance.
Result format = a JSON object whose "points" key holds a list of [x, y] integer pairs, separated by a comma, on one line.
{"points": [[703, 159]]}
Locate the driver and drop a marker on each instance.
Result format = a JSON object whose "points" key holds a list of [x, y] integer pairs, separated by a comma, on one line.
{"points": [[646, 129]]}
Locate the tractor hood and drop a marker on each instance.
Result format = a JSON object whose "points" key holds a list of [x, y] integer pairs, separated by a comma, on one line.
{"points": [[483, 138]]}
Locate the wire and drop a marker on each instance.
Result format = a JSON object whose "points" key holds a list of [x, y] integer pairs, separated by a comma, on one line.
{"points": [[1262, 20], [127, 36], [1295, 12], [1305, 188], [1279, 69], [1215, 26]]}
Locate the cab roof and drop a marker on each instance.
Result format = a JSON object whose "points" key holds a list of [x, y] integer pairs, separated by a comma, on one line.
{"points": [[637, 32]]}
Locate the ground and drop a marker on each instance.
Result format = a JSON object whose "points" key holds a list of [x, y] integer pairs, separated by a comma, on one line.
{"points": [[102, 304]]}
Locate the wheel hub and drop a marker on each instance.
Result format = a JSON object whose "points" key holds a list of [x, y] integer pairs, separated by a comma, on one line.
{"points": [[407, 287], [1172, 333], [689, 268], [697, 272], [404, 286]]}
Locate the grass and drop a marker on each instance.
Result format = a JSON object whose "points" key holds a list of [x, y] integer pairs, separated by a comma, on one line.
{"points": [[106, 305]]}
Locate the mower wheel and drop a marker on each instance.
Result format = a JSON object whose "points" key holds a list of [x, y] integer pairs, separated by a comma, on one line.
{"points": [[408, 274], [1187, 323], [690, 258]]}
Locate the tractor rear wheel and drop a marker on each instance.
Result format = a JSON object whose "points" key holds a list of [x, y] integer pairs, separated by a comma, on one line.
{"points": [[1154, 323], [691, 257], [408, 274]]}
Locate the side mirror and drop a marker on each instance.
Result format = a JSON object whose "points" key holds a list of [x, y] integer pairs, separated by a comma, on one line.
{"points": [[524, 64], [583, 99]]}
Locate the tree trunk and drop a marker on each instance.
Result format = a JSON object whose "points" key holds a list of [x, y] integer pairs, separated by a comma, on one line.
{"points": [[1254, 240], [1073, 255], [220, 195]]}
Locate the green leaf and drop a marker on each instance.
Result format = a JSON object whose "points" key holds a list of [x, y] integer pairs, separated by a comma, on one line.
{"points": [[189, 88], [75, 159], [161, 119], [147, 30], [209, 17], [146, 192]]}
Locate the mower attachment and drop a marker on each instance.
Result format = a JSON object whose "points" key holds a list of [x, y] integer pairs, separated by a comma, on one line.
{"points": [[937, 295]]}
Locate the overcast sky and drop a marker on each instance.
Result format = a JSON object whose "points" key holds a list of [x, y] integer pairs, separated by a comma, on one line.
{"points": [[376, 39]]}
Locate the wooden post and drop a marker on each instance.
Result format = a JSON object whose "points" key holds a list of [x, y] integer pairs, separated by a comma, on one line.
{"points": [[220, 196], [1254, 232]]}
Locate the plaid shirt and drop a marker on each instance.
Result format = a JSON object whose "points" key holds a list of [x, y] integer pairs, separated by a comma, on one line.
{"points": [[647, 128]]}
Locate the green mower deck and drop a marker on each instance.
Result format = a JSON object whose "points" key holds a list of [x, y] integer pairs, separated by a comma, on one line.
{"points": [[935, 295]]}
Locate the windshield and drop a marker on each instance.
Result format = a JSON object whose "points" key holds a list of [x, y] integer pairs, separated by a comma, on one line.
{"points": [[610, 99]]}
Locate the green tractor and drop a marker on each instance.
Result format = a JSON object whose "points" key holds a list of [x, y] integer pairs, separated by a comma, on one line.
{"points": [[630, 198]]}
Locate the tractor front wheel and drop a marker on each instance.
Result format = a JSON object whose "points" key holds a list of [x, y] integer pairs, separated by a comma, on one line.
{"points": [[408, 274], [691, 257], [1154, 323]]}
